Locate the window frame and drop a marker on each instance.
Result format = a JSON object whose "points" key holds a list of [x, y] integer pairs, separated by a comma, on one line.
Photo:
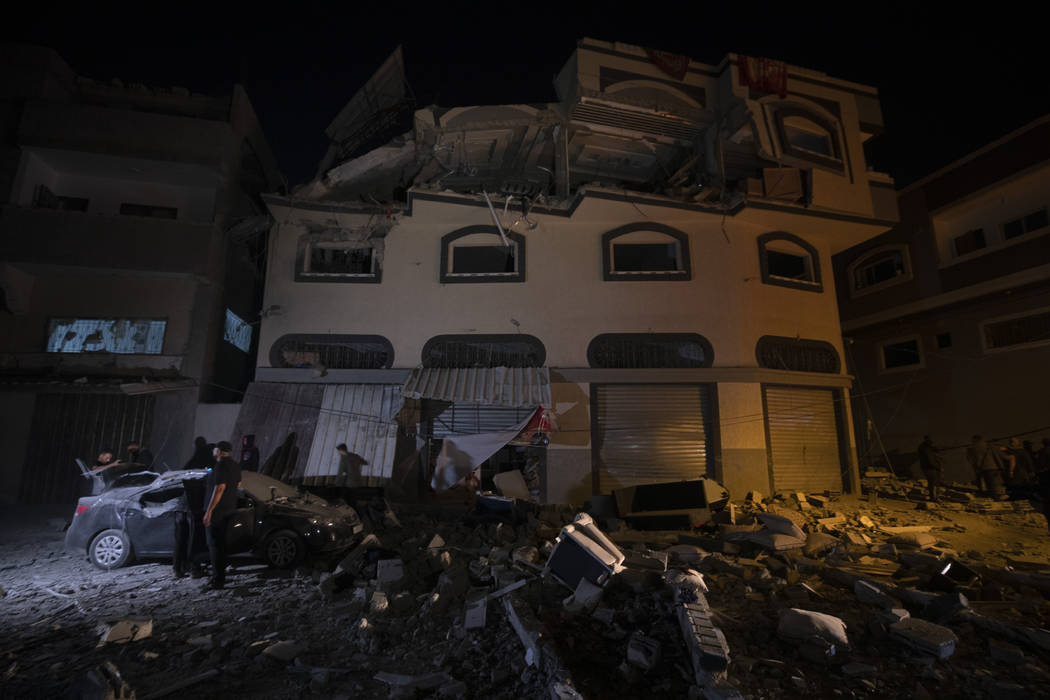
{"points": [[681, 238], [304, 250], [862, 261], [1009, 317], [1022, 219], [95, 353], [816, 285], [446, 276], [277, 360], [831, 124], [810, 343], [921, 364], [538, 347], [696, 338]]}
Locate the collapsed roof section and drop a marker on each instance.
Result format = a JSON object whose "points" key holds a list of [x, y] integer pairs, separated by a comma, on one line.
{"points": [[626, 118]]}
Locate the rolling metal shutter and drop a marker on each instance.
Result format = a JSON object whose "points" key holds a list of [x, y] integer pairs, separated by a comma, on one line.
{"points": [[651, 433], [471, 419], [804, 453]]}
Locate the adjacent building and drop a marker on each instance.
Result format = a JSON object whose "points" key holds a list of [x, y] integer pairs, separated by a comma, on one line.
{"points": [[649, 257], [948, 313], [131, 267]]}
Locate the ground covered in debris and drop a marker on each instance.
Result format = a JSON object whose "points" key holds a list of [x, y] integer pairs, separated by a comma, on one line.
{"points": [[935, 600]]}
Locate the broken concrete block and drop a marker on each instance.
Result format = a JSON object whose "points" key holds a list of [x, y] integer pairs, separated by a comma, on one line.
{"points": [[512, 484], [378, 603], [389, 573], [776, 541], [858, 539], [832, 523], [926, 637], [945, 607], [797, 625], [526, 626], [920, 540], [868, 592], [867, 522], [585, 597], [284, 651], [647, 559], [475, 609], [688, 584], [754, 497], [124, 630], [436, 542], [818, 543], [802, 501], [708, 649], [781, 525], [525, 555], [819, 500], [643, 652], [892, 615], [686, 553]]}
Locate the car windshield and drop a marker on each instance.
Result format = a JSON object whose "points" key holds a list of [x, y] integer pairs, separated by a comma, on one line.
{"points": [[258, 487]]}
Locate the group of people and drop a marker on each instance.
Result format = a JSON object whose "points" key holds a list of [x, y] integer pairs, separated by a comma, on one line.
{"points": [[1015, 470], [205, 510]]}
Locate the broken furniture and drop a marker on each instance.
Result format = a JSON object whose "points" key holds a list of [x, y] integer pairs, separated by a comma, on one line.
{"points": [[678, 505]]}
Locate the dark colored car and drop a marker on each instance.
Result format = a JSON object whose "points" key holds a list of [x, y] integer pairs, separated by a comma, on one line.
{"points": [[134, 516]]}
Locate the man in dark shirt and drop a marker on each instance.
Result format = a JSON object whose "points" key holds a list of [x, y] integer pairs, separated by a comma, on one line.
{"points": [[137, 454], [930, 461], [189, 530], [223, 482]]}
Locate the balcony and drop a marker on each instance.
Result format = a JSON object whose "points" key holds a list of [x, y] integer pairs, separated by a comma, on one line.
{"points": [[54, 237]]}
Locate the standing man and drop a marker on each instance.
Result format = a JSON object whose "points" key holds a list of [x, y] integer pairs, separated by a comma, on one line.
{"points": [[987, 466], [349, 472], [224, 479], [930, 462], [137, 454], [189, 529]]}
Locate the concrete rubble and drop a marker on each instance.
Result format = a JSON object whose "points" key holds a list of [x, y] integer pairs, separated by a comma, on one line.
{"points": [[554, 602]]}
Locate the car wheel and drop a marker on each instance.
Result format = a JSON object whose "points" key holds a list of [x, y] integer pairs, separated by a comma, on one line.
{"points": [[283, 549], [111, 549]]}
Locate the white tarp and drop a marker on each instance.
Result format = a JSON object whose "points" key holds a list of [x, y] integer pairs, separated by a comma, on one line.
{"points": [[462, 454]]}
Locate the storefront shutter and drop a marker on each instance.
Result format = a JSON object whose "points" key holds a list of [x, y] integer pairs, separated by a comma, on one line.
{"points": [[803, 448]]}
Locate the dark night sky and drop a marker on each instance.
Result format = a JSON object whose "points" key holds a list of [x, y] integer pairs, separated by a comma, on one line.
{"points": [[949, 84]]}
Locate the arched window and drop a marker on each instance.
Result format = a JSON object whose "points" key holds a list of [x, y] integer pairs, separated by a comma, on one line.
{"points": [[879, 268], [808, 134], [484, 350], [797, 354], [480, 254], [789, 261], [638, 350], [646, 251], [332, 351]]}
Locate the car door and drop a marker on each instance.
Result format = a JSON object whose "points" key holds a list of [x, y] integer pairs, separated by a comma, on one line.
{"points": [[240, 528], [150, 520]]}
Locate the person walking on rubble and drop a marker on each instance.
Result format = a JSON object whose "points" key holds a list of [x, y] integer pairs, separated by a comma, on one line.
{"points": [[987, 466], [930, 462], [223, 480]]}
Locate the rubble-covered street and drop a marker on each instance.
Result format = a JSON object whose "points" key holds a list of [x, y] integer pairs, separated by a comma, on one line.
{"points": [[877, 596]]}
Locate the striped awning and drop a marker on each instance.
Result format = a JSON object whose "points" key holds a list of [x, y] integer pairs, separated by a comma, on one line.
{"points": [[490, 386]]}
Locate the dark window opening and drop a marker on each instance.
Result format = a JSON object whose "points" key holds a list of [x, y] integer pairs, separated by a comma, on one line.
{"points": [[1018, 331], [797, 354], [1032, 222], [46, 199], [339, 261], [970, 241], [884, 268], [332, 352], [483, 260], [641, 350], [156, 212], [944, 341], [500, 350], [645, 257], [902, 354], [788, 266], [807, 140]]}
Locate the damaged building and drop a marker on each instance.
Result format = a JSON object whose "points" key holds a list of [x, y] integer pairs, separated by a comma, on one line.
{"points": [[949, 312], [647, 260], [131, 238]]}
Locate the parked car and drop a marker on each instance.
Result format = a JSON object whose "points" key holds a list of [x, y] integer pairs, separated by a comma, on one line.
{"points": [[134, 516]]}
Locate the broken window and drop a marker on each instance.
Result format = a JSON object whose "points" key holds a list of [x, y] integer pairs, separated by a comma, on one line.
{"points": [[46, 199], [807, 135], [969, 242], [151, 210], [900, 354], [1025, 224], [638, 350], [480, 254], [789, 261], [237, 332], [338, 259], [319, 351], [646, 251], [797, 354], [492, 350], [125, 336], [1019, 331], [878, 268]]}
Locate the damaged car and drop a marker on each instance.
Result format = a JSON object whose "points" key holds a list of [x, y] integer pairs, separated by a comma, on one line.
{"points": [[134, 517]]}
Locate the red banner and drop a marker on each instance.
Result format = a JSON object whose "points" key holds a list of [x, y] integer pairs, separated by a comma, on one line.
{"points": [[537, 431], [763, 74], [673, 64]]}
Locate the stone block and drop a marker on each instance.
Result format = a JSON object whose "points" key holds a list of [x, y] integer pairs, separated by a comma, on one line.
{"points": [[925, 637]]}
